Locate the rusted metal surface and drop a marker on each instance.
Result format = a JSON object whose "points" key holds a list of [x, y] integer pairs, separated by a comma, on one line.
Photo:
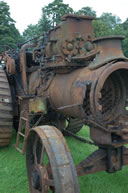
{"points": [[67, 78], [75, 46], [85, 95], [49, 163], [10, 65], [95, 162], [33, 82], [23, 65], [109, 160], [6, 117], [109, 49], [37, 105]]}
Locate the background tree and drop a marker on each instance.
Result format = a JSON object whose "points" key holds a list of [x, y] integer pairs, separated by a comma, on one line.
{"points": [[101, 29], [125, 33], [51, 15], [55, 10], [111, 20], [9, 35], [31, 32], [45, 22], [107, 24], [86, 11]]}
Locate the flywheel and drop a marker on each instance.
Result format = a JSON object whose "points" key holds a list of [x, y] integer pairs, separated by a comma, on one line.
{"points": [[6, 117]]}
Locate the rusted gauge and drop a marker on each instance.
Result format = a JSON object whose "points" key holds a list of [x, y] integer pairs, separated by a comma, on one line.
{"points": [[50, 166]]}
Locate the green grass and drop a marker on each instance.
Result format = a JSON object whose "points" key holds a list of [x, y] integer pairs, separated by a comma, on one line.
{"points": [[13, 178]]}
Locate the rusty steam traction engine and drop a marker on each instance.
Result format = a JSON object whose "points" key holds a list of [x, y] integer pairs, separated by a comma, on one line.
{"points": [[63, 80]]}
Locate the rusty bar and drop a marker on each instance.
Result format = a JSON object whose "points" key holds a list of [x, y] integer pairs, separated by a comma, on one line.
{"points": [[23, 65]]}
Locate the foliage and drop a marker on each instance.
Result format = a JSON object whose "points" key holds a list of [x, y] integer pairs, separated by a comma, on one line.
{"points": [[86, 11], [108, 25], [125, 41], [55, 10], [31, 32], [51, 15], [111, 20], [125, 46], [100, 28], [43, 25], [9, 35], [45, 22]]}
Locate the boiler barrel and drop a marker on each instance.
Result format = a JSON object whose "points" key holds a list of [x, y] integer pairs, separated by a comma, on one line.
{"points": [[86, 92]]}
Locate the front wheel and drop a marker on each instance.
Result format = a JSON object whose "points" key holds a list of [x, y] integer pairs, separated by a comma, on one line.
{"points": [[50, 166]]}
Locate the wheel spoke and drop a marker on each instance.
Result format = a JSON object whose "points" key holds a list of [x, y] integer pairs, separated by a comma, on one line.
{"points": [[35, 148], [41, 160]]}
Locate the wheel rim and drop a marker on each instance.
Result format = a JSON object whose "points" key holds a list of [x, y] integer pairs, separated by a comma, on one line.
{"points": [[49, 163]]}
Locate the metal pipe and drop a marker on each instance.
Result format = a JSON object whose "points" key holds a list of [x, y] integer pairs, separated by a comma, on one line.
{"points": [[23, 65]]}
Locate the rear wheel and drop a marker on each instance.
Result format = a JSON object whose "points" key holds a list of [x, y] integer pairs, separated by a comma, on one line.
{"points": [[6, 117]]}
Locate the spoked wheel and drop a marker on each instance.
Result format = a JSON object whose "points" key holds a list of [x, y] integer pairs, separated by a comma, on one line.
{"points": [[50, 166]]}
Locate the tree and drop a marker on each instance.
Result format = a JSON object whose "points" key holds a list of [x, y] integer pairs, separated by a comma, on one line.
{"points": [[31, 32], [101, 29], [51, 15], [111, 20], [107, 24], [86, 11], [44, 23], [55, 10], [9, 35], [125, 33]]}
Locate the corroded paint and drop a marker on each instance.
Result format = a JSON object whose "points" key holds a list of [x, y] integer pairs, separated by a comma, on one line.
{"points": [[37, 105]]}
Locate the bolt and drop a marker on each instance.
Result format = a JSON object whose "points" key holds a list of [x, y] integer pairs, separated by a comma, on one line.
{"points": [[70, 46], [89, 46]]}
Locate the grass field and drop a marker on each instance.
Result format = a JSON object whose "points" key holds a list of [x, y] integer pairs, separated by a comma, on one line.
{"points": [[13, 177]]}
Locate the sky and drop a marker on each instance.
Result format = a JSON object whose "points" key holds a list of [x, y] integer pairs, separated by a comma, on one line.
{"points": [[26, 12]]}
